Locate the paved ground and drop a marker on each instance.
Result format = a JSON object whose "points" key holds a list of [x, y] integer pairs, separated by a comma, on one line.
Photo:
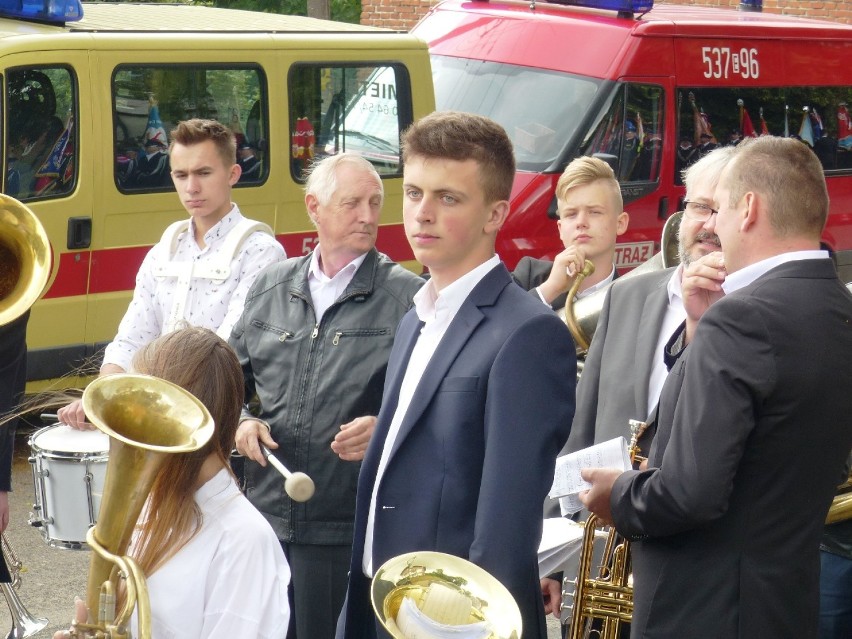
{"points": [[51, 577]]}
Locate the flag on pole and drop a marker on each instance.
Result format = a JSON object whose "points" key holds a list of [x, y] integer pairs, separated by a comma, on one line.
{"points": [[154, 131], [786, 120], [806, 130], [58, 169], [764, 130], [816, 124], [746, 127], [844, 127], [701, 121]]}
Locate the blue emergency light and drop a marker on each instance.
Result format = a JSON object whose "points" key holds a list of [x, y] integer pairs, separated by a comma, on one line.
{"points": [[751, 5], [50, 11], [622, 6]]}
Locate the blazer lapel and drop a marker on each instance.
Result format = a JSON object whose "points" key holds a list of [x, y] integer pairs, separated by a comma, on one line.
{"points": [[458, 333], [404, 341]]}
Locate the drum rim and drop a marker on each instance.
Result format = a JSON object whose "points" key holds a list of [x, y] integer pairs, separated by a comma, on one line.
{"points": [[52, 453]]}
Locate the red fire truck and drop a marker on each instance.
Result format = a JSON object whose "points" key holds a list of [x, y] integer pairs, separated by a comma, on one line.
{"points": [[647, 88]]}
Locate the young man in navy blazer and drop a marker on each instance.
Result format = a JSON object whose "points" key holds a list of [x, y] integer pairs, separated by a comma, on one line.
{"points": [[479, 393]]}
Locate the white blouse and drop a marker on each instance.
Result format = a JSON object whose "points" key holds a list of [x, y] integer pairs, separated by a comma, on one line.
{"points": [[229, 581]]}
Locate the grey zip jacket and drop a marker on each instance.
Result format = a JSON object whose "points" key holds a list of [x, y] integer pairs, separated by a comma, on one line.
{"points": [[311, 378]]}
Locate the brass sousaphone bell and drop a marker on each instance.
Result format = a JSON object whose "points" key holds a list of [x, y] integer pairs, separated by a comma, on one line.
{"points": [[147, 419], [417, 575], [25, 259]]}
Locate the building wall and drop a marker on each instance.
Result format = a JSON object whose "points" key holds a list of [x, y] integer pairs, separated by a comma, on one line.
{"points": [[404, 14]]}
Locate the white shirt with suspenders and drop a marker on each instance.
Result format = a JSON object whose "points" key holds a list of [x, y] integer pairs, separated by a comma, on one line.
{"points": [[179, 281]]}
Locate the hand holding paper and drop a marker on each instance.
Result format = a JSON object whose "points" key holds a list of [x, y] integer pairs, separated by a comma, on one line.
{"points": [[596, 499], [568, 482]]}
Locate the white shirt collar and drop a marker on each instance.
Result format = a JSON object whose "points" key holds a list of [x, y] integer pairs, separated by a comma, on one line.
{"points": [[347, 271], [433, 305], [750, 273], [596, 287], [221, 228]]}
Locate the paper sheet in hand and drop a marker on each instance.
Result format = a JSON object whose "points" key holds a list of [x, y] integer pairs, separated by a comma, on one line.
{"points": [[567, 482], [561, 540]]}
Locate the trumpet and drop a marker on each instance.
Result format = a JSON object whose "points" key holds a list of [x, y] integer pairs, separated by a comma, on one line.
{"points": [[609, 597], [24, 624]]}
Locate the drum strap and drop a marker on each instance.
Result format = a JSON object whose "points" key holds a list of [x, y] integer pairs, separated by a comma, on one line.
{"points": [[218, 269]]}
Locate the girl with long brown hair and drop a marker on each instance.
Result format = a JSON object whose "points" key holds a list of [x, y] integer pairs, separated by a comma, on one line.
{"points": [[213, 565]]}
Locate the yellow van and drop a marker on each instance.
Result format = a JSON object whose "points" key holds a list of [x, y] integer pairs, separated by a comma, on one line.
{"points": [[88, 104]]}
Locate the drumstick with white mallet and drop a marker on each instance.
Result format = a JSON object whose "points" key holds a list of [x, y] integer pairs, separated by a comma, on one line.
{"points": [[298, 485]]}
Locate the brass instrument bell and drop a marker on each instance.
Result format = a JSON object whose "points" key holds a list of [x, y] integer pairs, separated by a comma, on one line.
{"points": [[412, 574]]}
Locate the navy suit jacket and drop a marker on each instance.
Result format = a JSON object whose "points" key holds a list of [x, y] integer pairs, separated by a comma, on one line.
{"points": [[475, 453], [752, 437]]}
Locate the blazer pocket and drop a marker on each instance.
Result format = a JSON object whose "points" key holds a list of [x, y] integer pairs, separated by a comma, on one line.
{"points": [[458, 385]]}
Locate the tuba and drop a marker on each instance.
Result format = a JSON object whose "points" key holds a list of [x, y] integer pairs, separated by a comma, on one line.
{"points": [[146, 418], [581, 315], [25, 265], [25, 259], [447, 589]]}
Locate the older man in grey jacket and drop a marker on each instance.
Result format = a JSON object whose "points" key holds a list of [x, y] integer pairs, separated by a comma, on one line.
{"points": [[314, 341]]}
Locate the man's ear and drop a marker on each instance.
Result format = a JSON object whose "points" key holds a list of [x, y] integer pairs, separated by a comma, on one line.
{"points": [[312, 204], [621, 223], [234, 176], [497, 216], [754, 209]]}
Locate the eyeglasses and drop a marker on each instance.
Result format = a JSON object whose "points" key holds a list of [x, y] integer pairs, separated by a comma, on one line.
{"points": [[699, 211]]}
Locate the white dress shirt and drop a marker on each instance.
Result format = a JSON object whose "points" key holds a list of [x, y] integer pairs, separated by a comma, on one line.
{"points": [[674, 316], [436, 311], [581, 294], [750, 273], [212, 304], [326, 290], [229, 581]]}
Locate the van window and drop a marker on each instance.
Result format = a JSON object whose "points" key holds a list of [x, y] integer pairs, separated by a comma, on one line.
{"points": [[819, 116], [41, 145], [149, 101], [540, 110], [359, 109], [629, 136]]}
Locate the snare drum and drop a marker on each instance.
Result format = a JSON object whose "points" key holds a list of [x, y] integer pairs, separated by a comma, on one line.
{"points": [[68, 476]]}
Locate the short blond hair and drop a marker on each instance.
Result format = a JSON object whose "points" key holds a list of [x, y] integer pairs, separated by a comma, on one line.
{"points": [[790, 176], [586, 170]]}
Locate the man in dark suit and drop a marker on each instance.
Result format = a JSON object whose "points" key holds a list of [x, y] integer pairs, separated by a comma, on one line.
{"points": [[248, 162], [473, 413], [753, 427], [624, 370], [591, 217]]}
